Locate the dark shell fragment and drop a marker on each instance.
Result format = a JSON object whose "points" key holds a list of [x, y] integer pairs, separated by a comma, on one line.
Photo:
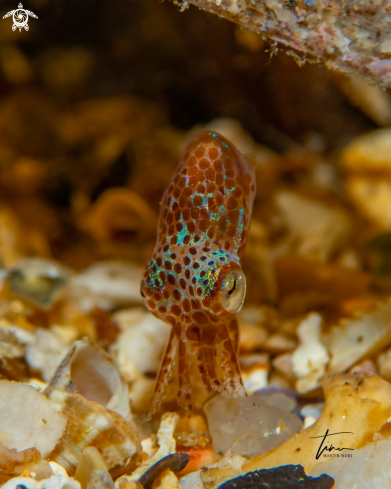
{"points": [[285, 477], [176, 462]]}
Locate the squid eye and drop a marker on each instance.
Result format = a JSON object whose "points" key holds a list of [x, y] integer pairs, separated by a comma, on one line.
{"points": [[233, 291]]}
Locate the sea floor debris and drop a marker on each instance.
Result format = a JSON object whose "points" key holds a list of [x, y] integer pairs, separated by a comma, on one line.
{"points": [[79, 353]]}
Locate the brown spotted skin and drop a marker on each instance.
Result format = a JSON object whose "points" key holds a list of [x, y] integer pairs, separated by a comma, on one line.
{"points": [[204, 218]]}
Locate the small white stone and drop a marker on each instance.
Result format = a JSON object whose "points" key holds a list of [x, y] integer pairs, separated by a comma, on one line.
{"points": [[57, 468], [255, 380], [310, 358], [22, 411], [309, 421], [140, 343]]}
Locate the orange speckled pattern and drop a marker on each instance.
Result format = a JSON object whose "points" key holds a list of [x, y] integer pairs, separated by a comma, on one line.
{"points": [[194, 280]]}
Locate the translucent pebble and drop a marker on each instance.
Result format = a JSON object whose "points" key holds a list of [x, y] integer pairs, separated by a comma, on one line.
{"points": [[251, 425]]}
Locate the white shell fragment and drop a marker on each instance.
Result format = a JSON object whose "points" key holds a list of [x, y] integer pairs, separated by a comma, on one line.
{"points": [[255, 380], [167, 445], [45, 352], [42, 348], [140, 343], [355, 338], [191, 481], [93, 374], [99, 415], [27, 419], [229, 467], [54, 482], [90, 424], [309, 360], [10, 347]]}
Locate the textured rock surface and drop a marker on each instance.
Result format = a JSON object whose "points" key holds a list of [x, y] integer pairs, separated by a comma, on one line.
{"points": [[352, 37]]}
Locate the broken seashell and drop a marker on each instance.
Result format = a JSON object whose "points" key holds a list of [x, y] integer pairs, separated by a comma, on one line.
{"points": [[228, 467], [91, 424], [361, 336], [167, 446], [92, 395], [10, 346], [45, 351], [27, 419], [90, 371], [42, 348]]}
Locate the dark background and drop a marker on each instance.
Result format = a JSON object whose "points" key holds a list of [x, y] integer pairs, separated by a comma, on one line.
{"points": [[194, 65]]}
